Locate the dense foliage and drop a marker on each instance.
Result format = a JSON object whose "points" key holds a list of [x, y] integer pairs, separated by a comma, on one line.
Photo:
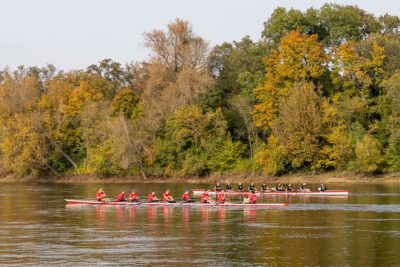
{"points": [[319, 92]]}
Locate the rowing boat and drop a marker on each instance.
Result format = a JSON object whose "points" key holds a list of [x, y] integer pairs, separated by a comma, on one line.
{"points": [[199, 192], [166, 204]]}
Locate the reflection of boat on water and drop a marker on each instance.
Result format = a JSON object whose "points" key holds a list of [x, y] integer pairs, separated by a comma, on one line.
{"points": [[345, 193], [164, 204]]}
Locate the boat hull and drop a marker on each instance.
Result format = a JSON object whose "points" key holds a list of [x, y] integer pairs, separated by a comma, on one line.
{"points": [[162, 204], [199, 192]]}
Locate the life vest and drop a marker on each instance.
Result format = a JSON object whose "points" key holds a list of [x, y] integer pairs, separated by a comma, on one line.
{"points": [[240, 187], [228, 187]]}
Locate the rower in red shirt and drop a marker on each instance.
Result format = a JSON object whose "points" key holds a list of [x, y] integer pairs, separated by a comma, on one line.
{"points": [[101, 196], [205, 198], [120, 197], [152, 197], [186, 198], [221, 196], [253, 198], [167, 197], [133, 197]]}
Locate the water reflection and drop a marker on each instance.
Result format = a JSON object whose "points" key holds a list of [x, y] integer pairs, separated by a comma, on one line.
{"points": [[361, 230]]}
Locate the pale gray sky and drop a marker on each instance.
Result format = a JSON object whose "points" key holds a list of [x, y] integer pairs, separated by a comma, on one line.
{"points": [[76, 33]]}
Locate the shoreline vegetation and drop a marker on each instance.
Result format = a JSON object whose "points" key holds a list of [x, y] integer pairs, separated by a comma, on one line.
{"points": [[318, 92], [327, 178]]}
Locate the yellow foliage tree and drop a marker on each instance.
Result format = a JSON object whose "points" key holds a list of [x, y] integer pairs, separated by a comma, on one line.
{"points": [[299, 58]]}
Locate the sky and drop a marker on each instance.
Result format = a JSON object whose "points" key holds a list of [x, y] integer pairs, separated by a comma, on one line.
{"points": [[73, 34]]}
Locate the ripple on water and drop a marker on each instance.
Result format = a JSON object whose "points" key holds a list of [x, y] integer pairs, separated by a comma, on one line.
{"points": [[346, 207]]}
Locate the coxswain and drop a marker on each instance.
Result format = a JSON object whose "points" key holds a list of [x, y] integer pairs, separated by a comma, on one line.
{"points": [[240, 187], [152, 197], [253, 198], [217, 187], [303, 188], [322, 188], [186, 198], [133, 197], [167, 197], [205, 198], [228, 186], [264, 187], [289, 188], [221, 196], [101, 196], [252, 187], [120, 197]]}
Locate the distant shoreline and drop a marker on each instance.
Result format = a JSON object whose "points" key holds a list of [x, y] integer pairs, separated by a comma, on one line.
{"points": [[346, 178]]}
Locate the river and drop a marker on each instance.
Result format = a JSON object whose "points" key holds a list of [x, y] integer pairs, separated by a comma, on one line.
{"points": [[37, 228]]}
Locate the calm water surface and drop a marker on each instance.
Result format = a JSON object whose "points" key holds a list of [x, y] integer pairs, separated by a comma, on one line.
{"points": [[37, 228]]}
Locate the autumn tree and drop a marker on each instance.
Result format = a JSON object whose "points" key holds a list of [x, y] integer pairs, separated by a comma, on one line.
{"points": [[298, 59]]}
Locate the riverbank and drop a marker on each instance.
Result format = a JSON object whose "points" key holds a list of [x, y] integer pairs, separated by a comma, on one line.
{"points": [[348, 178]]}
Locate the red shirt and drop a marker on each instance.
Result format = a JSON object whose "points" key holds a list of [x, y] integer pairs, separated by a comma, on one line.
{"points": [[204, 196], [132, 196], [100, 195], [221, 198], [166, 196], [120, 197], [253, 198], [185, 197], [150, 197]]}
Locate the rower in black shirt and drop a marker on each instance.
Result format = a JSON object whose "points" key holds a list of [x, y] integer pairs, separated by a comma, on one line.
{"points": [[303, 188], [289, 188], [240, 187], [264, 188], [252, 187], [217, 187], [279, 187], [322, 188], [228, 186]]}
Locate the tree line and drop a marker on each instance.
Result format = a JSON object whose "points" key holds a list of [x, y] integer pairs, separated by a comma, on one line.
{"points": [[320, 91]]}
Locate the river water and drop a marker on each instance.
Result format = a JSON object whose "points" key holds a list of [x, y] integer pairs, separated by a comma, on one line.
{"points": [[37, 228]]}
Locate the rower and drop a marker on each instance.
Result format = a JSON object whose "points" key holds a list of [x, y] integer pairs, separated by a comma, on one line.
{"points": [[253, 198], [101, 196], [303, 188], [167, 197], [221, 197], [279, 187], [205, 198], [252, 187], [186, 198], [289, 188], [322, 187], [217, 187], [246, 199], [152, 197], [120, 197], [240, 187], [228, 186], [264, 187], [133, 197]]}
